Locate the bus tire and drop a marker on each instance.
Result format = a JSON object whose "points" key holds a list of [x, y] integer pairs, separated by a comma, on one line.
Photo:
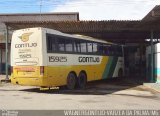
{"points": [[82, 80], [71, 81], [120, 72]]}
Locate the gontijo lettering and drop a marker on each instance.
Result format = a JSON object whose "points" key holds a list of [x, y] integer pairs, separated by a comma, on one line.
{"points": [[25, 45], [89, 59]]}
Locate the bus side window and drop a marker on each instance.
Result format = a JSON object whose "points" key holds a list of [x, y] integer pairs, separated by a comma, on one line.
{"points": [[89, 47], [100, 48], [51, 44], [111, 50], [106, 50], [69, 45], [95, 50], [60, 44], [83, 47], [77, 47]]}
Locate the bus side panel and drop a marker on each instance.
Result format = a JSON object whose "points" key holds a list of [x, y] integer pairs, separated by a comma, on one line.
{"points": [[57, 75], [114, 63], [119, 65], [99, 69], [109, 66]]}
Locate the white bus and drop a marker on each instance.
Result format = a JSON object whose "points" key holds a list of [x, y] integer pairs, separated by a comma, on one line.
{"points": [[47, 58]]}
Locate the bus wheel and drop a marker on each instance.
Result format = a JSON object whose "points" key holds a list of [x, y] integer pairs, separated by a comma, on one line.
{"points": [[82, 80], [120, 73], [71, 81]]}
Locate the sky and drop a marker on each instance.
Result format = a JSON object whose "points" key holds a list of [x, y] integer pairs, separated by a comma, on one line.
{"points": [[88, 9]]}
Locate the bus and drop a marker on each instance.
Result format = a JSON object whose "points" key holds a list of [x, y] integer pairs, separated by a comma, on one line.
{"points": [[49, 58]]}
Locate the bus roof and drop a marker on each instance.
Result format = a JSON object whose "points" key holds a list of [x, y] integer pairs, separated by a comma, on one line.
{"points": [[77, 36]]}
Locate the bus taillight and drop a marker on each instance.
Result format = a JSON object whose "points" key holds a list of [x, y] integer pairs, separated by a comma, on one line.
{"points": [[41, 70]]}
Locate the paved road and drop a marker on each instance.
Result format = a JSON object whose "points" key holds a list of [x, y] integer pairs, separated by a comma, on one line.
{"points": [[98, 95]]}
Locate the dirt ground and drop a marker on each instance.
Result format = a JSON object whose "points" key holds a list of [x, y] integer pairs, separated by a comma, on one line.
{"points": [[108, 94]]}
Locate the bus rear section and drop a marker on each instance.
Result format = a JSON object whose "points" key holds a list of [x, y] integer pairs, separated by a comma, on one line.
{"points": [[26, 57]]}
